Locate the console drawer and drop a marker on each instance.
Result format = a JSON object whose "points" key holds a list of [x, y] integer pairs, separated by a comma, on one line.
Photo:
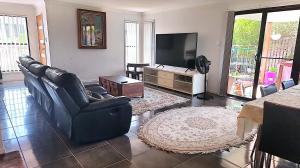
{"points": [[166, 75], [165, 82], [149, 71]]}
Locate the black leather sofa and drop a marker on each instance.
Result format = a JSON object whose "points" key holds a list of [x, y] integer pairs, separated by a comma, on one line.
{"points": [[33, 72], [83, 113]]}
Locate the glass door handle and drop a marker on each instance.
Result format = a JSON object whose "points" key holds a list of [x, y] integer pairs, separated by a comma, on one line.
{"points": [[257, 57]]}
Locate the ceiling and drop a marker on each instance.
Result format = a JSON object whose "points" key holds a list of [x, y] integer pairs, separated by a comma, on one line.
{"points": [[26, 2], [146, 5]]}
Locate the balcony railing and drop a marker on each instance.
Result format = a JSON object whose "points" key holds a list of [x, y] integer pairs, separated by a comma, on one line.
{"points": [[278, 51]]}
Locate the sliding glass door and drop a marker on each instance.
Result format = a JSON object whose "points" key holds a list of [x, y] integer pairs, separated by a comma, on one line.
{"points": [[278, 48], [244, 51], [263, 49]]}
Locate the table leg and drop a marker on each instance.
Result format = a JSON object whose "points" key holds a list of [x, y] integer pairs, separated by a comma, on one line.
{"points": [[258, 155]]}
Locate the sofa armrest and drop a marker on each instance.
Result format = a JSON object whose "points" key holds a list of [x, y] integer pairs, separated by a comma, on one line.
{"points": [[105, 103], [96, 88]]}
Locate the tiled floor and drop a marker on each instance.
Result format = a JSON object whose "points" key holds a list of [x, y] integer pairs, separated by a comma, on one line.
{"points": [[11, 160], [24, 127]]}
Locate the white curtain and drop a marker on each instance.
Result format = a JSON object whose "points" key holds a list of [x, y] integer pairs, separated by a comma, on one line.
{"points": [[149, 42], [131, 42], [13, 42]]}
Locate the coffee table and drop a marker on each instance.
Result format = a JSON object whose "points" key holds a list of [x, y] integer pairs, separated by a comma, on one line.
{"points": [[122, 86]]}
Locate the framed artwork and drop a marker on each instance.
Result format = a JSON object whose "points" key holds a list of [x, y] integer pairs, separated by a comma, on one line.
{"points": [[91, 29]]}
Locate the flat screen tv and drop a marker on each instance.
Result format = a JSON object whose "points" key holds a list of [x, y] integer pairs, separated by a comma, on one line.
{"points": [[176, 49]]}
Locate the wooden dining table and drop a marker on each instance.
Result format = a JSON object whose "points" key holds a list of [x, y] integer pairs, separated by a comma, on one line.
{"points": [[251, 114]]}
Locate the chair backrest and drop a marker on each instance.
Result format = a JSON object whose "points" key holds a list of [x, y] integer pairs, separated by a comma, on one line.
{"points": [[280, 131], [135, 66], [287, 84], [267, 90]]}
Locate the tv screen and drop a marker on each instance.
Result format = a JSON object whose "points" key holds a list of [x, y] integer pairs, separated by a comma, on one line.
{"points": [[176, 49]]}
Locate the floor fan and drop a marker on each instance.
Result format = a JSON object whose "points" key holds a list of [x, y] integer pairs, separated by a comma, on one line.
{"points": [[202, 65]]}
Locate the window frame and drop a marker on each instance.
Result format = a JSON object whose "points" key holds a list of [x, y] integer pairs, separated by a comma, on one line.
{"points": [[153, 48], [137, 41], [26, 30]]}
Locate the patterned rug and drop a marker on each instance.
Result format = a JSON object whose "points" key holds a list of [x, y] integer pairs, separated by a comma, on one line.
{"points": [[154, 100], [192, 130]]}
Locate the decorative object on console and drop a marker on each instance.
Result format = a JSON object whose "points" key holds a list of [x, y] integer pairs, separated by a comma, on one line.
{"points": [[192, 130], [202, 65], [91, 29], [153, 100]]}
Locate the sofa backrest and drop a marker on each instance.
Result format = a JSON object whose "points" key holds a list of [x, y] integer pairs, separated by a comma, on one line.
{"points": [[34, 74], [27, 61], [70, 83], [38, 69]]}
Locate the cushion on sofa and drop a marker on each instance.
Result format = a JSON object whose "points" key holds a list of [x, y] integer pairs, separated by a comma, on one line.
{"points": [[27, 61], [38, 69], [93, 96], [70, 83]]}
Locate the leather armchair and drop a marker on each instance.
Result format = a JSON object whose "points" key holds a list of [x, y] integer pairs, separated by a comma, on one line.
{"points": [[80, 119]]}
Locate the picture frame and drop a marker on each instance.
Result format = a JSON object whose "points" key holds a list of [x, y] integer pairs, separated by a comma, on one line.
{"points": [[91, 29]]}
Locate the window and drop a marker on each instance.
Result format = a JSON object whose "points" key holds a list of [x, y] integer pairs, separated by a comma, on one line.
{"points": [[149, 42], [131, 42], [13, 41]]}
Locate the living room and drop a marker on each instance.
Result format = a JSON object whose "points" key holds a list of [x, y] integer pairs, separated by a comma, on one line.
{"points": [[193, 106]]}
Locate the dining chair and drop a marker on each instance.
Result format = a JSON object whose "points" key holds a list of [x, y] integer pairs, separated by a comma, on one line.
{"points": [[285, 141], [267, 90], [133, 70], [287, 84]]}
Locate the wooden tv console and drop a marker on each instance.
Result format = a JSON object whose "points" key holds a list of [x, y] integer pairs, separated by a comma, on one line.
{"points": [[175, 78]]}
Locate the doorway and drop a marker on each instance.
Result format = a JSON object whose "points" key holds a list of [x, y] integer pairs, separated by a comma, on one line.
{"points": [[41, 39], [263, 49]]}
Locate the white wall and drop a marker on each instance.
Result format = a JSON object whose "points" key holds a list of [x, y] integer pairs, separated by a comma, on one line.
{"points": [[88, 64], [210, 23], [29, 12]]}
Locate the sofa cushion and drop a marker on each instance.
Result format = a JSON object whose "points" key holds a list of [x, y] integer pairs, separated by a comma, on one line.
{"points": [[27, 61], [38, 69], [70, 83], [93, 96]]}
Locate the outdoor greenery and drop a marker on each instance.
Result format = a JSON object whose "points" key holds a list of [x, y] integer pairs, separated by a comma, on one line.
{"points": [[246, 34], [286, 29], [245, 42]]}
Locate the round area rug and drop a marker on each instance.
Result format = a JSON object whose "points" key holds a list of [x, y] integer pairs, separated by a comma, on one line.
{"points": [[192, 130]]}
